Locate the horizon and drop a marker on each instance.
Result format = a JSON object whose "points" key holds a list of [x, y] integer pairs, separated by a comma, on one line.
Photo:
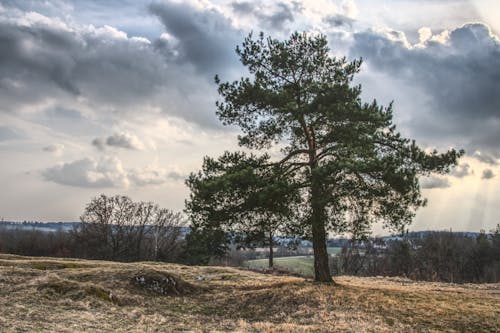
{"points": [[118, 97], [330, 236]]}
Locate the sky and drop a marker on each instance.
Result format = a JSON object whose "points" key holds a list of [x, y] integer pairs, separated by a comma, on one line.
{"points": [[118, 97]]}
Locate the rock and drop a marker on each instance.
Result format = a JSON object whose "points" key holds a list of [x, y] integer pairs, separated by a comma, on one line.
{"points": [[161, 283]]}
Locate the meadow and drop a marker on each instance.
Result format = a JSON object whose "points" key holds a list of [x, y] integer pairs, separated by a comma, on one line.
{"points": [[68, 295], [301, 265]]}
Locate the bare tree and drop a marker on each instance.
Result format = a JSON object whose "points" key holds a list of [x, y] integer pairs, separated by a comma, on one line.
{"points": [[117, 228], [166, 232]]}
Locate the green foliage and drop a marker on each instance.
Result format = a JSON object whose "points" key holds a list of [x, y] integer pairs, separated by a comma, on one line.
{"points": [[203, 244], [301, 96], [345, 157], [243, 195]]}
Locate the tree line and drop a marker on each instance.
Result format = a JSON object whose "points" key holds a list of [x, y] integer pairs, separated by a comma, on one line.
{"points": [[438, 256], [117, 228]]}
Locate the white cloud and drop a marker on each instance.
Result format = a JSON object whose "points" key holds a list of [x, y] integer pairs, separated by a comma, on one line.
{"points": [[87, 172], [461, 170], [106, 172], [350, 9], [424, 34]]}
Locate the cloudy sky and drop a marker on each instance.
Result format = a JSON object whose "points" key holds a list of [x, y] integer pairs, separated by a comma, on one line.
{"points": [[117, 97]]}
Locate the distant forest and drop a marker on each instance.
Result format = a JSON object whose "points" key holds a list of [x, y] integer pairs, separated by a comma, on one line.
{"points": [[431, 256]]}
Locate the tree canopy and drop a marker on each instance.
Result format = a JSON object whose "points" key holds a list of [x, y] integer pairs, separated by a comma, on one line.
{"points": [[344, 156]]}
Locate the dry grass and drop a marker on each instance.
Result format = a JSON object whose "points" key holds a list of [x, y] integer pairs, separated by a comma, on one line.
{"points": [[53, 295]]}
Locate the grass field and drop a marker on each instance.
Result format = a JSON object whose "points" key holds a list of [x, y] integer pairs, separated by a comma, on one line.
{"points": [[55, 295], [334, 250], [302, 265]]}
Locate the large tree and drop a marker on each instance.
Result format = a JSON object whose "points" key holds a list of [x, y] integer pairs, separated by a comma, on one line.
{"points": [[355, 168]]}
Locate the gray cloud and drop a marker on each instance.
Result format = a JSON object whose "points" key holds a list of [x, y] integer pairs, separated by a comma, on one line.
{"points": [[87, 172], [119, 140], [459, 73], [434, 182], [461, 170], [284, 13], [55, 148], [485, 158], [99, 143], [101, 63], [106, 71], [204, 38], [153, 176], [8, 133], [487, 174], [339, 20]]}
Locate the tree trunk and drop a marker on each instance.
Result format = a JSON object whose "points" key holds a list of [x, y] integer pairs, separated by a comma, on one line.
{"points": [[318, 217], [271, 254]]}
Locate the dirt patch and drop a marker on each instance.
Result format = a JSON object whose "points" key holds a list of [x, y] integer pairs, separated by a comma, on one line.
{"points": [[51, 265], [162, 283]]}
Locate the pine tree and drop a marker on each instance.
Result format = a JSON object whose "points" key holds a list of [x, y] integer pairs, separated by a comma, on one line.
{"points": [[352, 165]]}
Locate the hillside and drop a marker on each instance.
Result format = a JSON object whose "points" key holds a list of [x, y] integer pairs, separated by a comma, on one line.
{"points": [[47, 294]]}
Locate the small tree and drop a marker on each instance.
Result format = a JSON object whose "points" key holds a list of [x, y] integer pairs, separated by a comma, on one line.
{"points": [[347, 154], [245, 197], [165, 232], [203, 244]]}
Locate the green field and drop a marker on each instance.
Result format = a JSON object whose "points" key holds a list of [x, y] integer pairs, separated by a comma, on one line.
{"points": [[334, 250], [303, 265], [300, 265]]}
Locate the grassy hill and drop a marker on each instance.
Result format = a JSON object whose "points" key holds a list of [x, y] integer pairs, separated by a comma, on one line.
{"points": [[55, 295]]}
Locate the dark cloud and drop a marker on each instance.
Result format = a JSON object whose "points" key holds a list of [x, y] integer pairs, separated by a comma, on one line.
{"points": [[99, 143], [339, 20], [487, 174], [50, 56], [204, 38], [459, 74], [276, 20], [119, 140], [105, 70], [243, 7]]}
